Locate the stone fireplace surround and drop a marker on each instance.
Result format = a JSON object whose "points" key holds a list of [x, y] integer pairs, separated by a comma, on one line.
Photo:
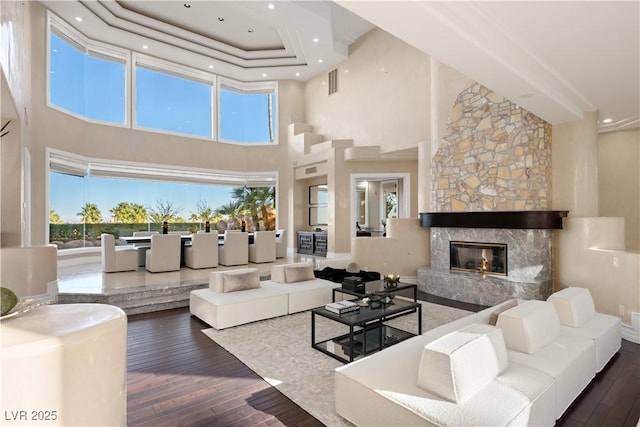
{"points": [[530, 272]]}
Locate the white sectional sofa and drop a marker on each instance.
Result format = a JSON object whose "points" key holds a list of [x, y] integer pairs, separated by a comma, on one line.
{"points": [[304, 289], [223, 307], [236, 297], [526, 370]]}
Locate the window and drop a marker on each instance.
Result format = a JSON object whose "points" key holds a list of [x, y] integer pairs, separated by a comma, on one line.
{"points": [[173, 103], [90, 80], [247, 112], [86, 80], [88, 197]]}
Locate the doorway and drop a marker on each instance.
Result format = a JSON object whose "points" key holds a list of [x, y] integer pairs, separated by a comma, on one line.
{"points": [[376, 197]]}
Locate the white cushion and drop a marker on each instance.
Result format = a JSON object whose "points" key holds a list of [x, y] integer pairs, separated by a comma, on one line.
{"points": [[216, 278], [278, 271], [574, 306], [605, 332], [462, 363], [530, 326], [298, 273]]}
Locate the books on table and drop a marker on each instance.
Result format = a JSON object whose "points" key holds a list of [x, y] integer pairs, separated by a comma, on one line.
{"points": [[342, 307]]}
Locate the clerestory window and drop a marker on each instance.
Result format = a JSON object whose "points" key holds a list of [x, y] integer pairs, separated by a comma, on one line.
{"points": [[85, 79]]}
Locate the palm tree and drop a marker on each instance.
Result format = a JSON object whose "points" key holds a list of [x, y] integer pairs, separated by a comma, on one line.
{"points": [[90, 214], [256, 202], [54, 217], [231, 212], [129, 213]]}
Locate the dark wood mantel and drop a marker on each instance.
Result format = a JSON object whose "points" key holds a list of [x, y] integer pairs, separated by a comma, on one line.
{"points": [[495, 219]]}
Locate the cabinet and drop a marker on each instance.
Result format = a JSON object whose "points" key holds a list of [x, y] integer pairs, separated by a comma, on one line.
{"points": [[312, 243]]}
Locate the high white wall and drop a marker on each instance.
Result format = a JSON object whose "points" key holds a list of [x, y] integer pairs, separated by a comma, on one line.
{"points": [[619, 181], [382, 99]]}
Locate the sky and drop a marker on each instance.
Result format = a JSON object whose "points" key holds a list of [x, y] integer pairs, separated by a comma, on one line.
{"points": [[70, 193], [94, 87]]}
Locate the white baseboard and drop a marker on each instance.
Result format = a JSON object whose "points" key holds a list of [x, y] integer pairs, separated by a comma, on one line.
{"points": [[632, 332]]}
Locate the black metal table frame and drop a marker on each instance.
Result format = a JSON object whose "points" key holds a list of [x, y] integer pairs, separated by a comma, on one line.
{"points": [[375, 320], [398, 288]]}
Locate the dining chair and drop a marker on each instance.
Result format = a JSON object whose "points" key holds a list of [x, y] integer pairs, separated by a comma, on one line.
{"points": [[164, 254], [114, 258], [263, 248], [143, 246], [281, 243], [203, 252], [235, 250]]}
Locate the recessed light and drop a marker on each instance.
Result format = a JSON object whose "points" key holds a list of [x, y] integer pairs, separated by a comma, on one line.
{"points": [[297, 74], [271, 6], [221, 19], [187, 5], [144, 46], [210, 66], [79, 18], [264, 74], [608, 120], [316, 40], [321, 60]]}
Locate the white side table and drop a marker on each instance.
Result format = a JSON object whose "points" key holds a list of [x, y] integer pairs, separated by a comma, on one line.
{"points": [[65, 365]]}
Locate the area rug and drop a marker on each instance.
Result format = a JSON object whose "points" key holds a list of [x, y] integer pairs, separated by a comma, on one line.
{"points": [[279, 350]]}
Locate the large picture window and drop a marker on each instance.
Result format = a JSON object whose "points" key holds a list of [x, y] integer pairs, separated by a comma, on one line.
{"points": [[88, 197], [171, 103], [247, 112], [86, 82]]}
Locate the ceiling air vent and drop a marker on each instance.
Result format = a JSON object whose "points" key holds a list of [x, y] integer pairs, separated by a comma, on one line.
{"points": [[333, 81]]}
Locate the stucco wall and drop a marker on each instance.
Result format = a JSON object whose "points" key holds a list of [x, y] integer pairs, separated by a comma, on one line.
{"points": [[382, 98], [619, 181]]}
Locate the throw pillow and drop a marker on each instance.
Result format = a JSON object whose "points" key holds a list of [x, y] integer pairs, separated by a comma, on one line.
{"points": [[299, 273], [232, 282]]}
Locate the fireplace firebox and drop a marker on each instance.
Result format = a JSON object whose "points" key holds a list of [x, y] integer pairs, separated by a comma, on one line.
{"points": [[488, 258]]}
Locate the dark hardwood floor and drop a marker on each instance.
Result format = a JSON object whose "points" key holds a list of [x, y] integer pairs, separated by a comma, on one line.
{"points": [[179, 377]]}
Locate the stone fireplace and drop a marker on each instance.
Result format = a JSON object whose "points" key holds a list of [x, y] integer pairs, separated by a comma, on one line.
{"points": [[527, 265]]}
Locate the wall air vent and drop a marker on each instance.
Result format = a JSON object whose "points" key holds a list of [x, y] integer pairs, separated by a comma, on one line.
{"points": [[333, 81], [311, 170]]}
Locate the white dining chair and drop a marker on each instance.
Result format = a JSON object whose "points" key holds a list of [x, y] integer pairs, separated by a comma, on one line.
{"points": [[203, 252], [235, 250], [164, 254], [114, 258], [263, 248], [142, 247]]}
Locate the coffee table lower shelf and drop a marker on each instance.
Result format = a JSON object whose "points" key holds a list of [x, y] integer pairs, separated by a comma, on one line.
{"points": [[349, 347]]}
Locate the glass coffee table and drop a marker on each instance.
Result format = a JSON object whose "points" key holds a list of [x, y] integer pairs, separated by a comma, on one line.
{"points": [[368, 332], [378, 286]]}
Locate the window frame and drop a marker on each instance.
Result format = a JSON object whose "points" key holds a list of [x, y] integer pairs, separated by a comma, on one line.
{"points": [[176, 70], [247, 87], [91, 48]]}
